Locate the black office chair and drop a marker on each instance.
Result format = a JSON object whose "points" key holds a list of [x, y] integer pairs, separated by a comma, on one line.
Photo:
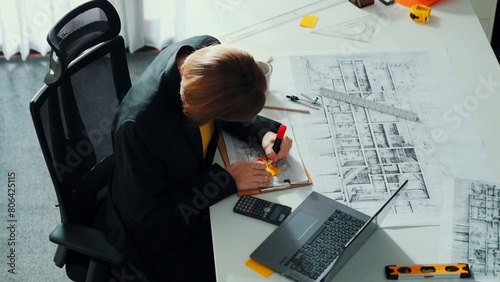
{"points": [[72, 115]]}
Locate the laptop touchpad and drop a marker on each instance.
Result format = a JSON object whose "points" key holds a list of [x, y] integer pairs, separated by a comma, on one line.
{"points": [[298, 225]]}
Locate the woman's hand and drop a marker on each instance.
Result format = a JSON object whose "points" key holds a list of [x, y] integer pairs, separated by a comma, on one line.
{"points": [[268, 142], [249, 175]]}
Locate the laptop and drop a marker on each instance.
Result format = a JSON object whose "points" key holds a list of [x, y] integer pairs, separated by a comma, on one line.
{"points": [[318, 238]]}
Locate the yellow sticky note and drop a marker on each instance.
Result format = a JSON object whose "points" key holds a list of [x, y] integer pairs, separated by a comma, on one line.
{"points": [[259, 268], [309, 21]]}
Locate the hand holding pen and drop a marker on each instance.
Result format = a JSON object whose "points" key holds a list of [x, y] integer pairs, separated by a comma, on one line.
{"points": [[251, 175], [277, 145]]}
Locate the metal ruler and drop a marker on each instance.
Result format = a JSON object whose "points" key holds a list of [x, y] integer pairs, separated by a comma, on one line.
{"points": [[280, 19], [372, 105]]}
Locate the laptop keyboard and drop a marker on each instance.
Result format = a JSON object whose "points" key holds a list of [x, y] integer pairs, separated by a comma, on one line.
{"points": [[325, 245]]}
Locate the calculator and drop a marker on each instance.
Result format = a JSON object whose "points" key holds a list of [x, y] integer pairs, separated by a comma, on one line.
{"points": [[261, 209]]}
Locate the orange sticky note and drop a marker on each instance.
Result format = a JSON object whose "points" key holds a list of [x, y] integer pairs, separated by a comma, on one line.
{"points": [[309, 21], [272, 169], [259, 268]]}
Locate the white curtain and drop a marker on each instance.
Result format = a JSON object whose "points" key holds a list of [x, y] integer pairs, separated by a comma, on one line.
{"points": [[24, 24]]}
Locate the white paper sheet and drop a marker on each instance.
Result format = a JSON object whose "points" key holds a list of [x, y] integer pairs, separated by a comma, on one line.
{"points": [[470, 230], [358, 156]]}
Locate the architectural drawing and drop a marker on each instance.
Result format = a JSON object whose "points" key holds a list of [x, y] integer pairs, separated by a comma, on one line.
{"points": [[359, 156], [475, 227], [371, 152]]}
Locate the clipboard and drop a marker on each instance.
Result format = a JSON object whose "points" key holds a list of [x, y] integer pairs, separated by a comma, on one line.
{"points": [[282, 186]]}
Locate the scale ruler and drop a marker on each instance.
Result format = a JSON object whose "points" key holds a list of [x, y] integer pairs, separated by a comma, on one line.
{"points": [[280, 19], [372, 105]]}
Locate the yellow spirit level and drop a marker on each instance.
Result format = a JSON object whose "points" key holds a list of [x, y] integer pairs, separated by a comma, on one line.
{"points": [[456, 270]]}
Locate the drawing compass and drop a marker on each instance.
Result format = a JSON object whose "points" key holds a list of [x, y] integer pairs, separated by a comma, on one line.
{"points": [[308, 102]]}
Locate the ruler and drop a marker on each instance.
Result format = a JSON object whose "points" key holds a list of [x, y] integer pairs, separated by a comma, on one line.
{"points": [[280, 19], [372, 105]]}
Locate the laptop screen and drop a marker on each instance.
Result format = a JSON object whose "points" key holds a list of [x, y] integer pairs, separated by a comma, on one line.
{"points": [[380, 215]]}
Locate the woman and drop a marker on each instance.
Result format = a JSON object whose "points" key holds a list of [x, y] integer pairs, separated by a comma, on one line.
{"points": [[165, 137]]}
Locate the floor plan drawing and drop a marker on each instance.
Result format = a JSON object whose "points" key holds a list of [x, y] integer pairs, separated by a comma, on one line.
{"points": [[475, 227], [360, 156], [372, 152]]}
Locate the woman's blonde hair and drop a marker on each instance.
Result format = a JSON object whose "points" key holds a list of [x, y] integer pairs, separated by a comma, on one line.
{"points": [[221, 82]]}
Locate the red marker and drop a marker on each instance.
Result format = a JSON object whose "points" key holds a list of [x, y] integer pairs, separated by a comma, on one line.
{"points": [[279, 138]]}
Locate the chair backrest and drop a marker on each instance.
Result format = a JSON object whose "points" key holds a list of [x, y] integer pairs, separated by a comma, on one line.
{"points": [[73, 113], [80, 29]]}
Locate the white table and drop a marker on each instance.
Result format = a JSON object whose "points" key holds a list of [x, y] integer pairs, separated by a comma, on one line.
{"points": [[453, 25]]}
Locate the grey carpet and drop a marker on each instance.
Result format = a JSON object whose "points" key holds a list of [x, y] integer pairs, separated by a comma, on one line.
{"points": [[35, 212]]}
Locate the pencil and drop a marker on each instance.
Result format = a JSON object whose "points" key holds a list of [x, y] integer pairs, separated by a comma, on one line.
{"points": [[286, 109]]}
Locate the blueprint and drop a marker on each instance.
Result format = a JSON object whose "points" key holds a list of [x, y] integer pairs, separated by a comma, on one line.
{"points": [[360, 157], [474, 226]]}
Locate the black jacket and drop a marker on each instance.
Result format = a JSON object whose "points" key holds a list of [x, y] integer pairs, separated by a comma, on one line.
{"points": [[162, 186]]}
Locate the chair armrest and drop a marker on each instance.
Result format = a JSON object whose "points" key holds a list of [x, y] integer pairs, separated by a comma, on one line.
{"points": [[87, 241]]}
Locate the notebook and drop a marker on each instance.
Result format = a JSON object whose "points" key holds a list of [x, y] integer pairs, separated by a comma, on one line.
{"points": [[318, 238]]}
